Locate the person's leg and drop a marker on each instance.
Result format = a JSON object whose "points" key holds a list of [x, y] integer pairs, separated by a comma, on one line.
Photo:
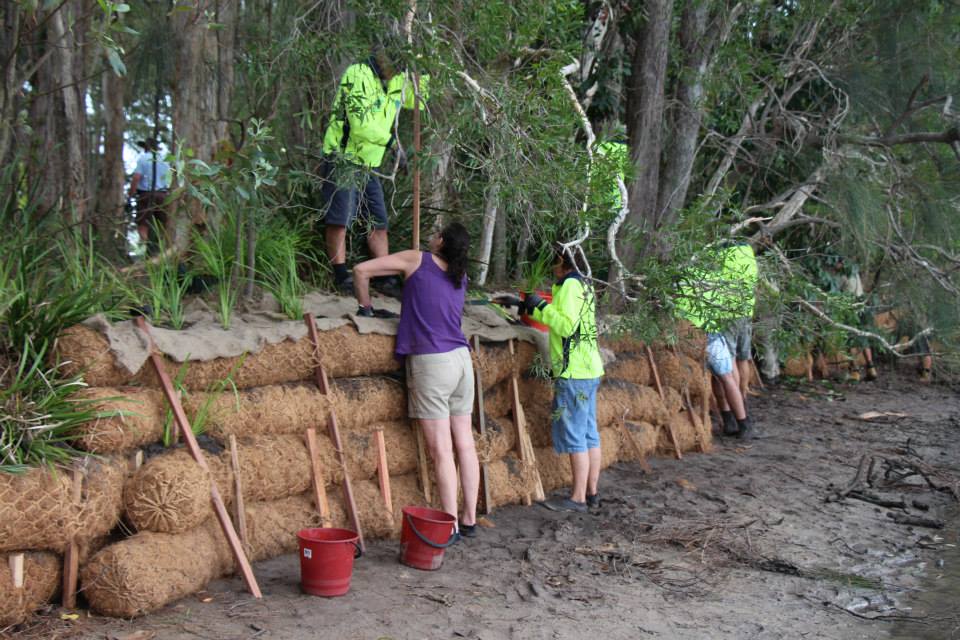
{"points": [[732, 393], [341, 206], [580, 465], [439, 443], [721, 365], [469, 466], [376, 206], [745, 369], [595, 455]]}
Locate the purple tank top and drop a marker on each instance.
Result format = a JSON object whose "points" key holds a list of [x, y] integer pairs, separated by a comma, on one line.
{"points": [[430, 312]]}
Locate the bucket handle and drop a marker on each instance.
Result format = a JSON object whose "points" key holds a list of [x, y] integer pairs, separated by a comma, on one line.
{"points": [[425, 540], [357, 551]]}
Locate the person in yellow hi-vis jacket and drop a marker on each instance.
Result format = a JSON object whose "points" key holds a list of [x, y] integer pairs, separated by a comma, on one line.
{"points": [[357, 137], [577, 368]]}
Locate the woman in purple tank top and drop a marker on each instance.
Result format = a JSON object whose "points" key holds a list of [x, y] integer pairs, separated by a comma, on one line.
{"points": [[437, 357]]}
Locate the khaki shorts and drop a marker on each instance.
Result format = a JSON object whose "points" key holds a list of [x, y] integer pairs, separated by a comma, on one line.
{"points": [[440, 385]]}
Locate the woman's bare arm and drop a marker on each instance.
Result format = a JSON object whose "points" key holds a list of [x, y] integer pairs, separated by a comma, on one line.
{"points": [[402, 262]]}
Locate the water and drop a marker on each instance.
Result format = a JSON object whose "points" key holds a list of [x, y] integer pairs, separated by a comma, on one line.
{"points": [[938, 601]]}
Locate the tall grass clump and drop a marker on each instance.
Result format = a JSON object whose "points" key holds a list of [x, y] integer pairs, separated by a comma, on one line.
{"points": [[217, 251], [50, 278], [164, 290], [282, 250]]}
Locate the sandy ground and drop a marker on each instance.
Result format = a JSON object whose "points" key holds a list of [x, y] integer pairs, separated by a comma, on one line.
{"points": [[745, 542]]}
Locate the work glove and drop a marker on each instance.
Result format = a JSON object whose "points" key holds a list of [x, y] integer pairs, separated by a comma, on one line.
{"points": [[533, 301], [509, 301]]}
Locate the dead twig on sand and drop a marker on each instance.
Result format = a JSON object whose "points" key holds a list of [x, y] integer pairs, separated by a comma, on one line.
{"points": [[890, 468]]}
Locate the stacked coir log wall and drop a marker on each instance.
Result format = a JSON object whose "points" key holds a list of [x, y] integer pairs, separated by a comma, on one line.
{"points": [[164, 543]]}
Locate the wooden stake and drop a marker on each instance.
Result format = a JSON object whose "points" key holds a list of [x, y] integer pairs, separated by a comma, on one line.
{"points": [[524, 445], [239, 511], [319, 486], [136, 460], [218, 506], [15, 560], [485, 502], [383, 471], [642, 459], [416, 161], [673, 440], [653, 370], [71, 556], [756, 372], [422, 467], [319, 372], [694, 421], [347, 486]]}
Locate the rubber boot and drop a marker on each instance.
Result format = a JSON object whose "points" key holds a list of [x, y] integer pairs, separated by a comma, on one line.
{"points": [[730, 427]]}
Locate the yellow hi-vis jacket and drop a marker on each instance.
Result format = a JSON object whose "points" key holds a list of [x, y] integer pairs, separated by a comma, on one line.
{"points": [[361, 124], [572, 318]]}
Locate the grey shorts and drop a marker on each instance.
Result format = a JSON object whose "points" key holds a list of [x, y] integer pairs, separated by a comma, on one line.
{"points": [[440, 385], [739, 336]]}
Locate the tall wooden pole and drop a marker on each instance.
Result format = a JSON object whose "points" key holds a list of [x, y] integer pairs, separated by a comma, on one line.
{"points": [[416, 161]]}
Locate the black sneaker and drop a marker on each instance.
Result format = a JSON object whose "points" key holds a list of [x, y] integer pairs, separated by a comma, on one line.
{"points": [[593, 501], [730, 426], [565, 504], [468, 530]]}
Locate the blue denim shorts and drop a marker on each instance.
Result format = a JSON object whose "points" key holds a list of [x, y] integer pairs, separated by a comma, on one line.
{"points": [[350, 191], [719, 358], [575, 415]]}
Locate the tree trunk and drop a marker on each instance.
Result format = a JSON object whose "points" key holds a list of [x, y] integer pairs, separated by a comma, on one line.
{"points": [[67, 37], [9, 46], [645, 111], [109, 221], [500, 249], [687, 112], [202, 86], [490, 208]]}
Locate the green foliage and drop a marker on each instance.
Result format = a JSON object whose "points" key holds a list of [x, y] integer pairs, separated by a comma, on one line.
{"points": [[281, 251], [216, 252], [37, 411]]}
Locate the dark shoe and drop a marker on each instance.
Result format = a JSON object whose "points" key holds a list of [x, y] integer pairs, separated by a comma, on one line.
{"points": [[345, 286], [468, 530], [730, 426], [564, 504], [391, 286], [747, 430], [925, 375], [871, 373], [593, 501]]}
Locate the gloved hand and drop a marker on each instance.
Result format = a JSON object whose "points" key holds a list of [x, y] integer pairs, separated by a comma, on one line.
{"points": [[533, 301], [508, 301], [401, 158]]}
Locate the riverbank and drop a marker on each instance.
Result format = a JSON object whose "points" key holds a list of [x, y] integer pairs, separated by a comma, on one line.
{"points": [[771, 540]]}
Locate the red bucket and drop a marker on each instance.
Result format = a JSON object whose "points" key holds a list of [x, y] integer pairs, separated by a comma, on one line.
{"points": [[425, 535], [528, 320], [326, 560]]}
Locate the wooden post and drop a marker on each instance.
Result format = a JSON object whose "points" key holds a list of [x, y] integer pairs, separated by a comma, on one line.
{"points": [[642, 459], [15, 560], [653, 370], [239, 511], [383, 470], [71, 556], [218, 506], [524, 445], [416, 161], [485, 502], [422, 464], [347, 486], [320, 375], [136, 460], [756, 372], [319, 487]]}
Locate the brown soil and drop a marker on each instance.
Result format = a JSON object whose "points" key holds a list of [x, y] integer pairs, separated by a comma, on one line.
{"points": [[749, 541]]}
